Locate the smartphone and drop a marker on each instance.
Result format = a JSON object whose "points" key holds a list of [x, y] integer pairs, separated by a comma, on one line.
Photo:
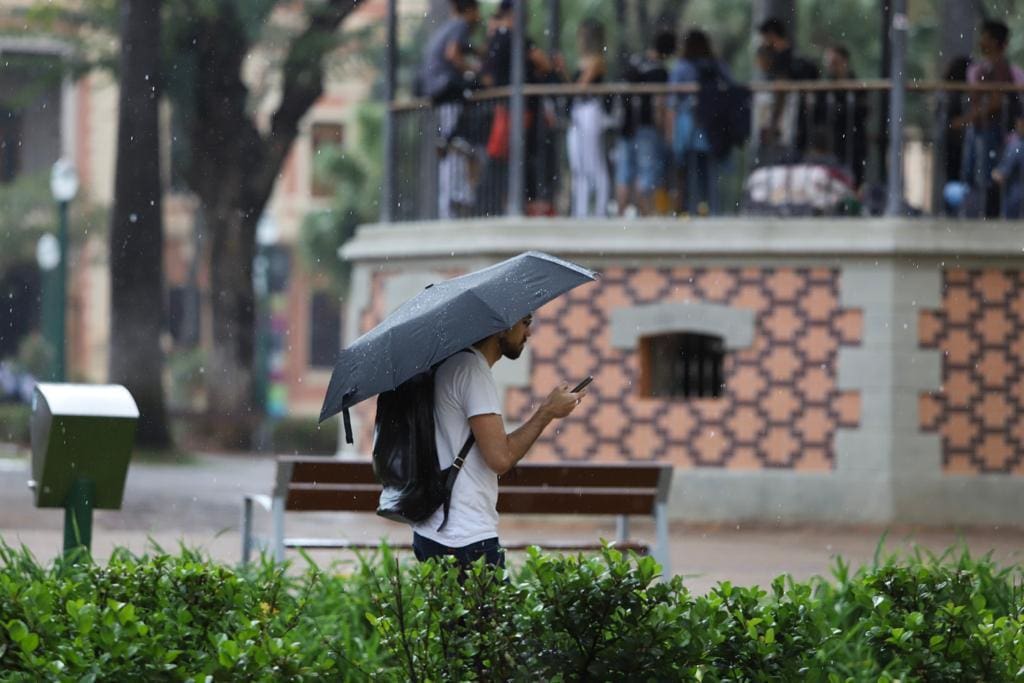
{"points": [[582, 385]]}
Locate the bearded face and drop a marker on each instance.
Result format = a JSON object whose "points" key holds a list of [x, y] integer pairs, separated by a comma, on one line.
{"points": [[513, 342]]}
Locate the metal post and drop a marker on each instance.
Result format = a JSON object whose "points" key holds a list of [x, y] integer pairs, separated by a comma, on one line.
{"points": [[277, 521], [78, 515], [622, 528], [387, 199], [554, 27], [897, 99], [517, 109], [246, 529], [662, 553], [62, 293]]}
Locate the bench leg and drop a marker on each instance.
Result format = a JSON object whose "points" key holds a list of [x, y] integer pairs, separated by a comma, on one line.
{"points": [[246, 529], [661, 551], [277, 512], [622, 528]]}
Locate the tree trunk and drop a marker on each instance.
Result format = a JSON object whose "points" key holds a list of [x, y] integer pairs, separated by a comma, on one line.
{"points": [[136, 233], [233, 167], [230, 370]]}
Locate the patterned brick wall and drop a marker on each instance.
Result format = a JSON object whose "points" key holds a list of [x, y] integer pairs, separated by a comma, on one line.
{"points": [[979, 410], [780, 409]]}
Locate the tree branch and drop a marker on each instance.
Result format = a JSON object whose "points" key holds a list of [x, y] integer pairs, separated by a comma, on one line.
{"points": [[303, 84]]}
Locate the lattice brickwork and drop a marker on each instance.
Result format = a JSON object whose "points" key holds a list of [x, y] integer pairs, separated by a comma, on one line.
{"points": [[979, 410]]}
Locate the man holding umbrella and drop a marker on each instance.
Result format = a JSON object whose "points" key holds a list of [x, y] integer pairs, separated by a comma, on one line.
{"points": [[466, 400], [461, 327]]}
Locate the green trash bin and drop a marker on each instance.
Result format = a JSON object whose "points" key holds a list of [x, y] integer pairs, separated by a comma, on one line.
{"points": [[82, 438]]}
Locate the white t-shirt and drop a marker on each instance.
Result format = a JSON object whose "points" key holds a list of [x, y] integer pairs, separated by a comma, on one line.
{"points": [[463, 388]]}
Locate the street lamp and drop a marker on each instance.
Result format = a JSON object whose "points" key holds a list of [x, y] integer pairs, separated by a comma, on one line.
{"points": [[64, 187]]}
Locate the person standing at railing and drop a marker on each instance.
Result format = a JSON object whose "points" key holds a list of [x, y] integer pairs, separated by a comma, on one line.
{"points": [[1009, 174], [951, 105], [845, 114], [698, 168], [776, 139], [446, 73], [589, 120], [497, 73], [787, 66], [640, 150], [989, 116]]}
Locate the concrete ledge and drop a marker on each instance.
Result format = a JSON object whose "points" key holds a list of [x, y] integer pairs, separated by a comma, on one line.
{"points": [[734, 325], [954, 499], [703, 495], [613, 237], [709, 495]]}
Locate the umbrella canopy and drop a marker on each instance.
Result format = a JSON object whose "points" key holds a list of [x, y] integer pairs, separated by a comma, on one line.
{"points": [[444, 319]]}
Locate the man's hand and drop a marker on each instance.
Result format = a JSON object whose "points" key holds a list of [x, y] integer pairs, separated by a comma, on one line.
{"points": [[561, 402], [502, 451]]}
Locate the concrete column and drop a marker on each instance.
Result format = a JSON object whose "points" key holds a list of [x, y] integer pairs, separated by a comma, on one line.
{"points": [[888, 452]]}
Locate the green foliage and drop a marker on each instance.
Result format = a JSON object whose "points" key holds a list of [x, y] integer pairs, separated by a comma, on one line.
{"points": [[355, 171], [14, 419], [186, 367], [605, 617], [175, 618], [303, 436]]}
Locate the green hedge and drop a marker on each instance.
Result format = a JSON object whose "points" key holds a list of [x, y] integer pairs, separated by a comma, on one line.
{"points": [[14, 419], [555, 618]]}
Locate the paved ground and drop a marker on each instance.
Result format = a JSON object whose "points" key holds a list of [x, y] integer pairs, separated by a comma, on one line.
{"points": [[199, 503]]}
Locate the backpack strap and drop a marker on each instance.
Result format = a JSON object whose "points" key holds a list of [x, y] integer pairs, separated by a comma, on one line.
{"points": [[347, 419], [453, 473]]}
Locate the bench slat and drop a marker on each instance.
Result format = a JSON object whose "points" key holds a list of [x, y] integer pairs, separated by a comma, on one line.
{"points": [[610, 475], [342, 544], [331, 471], [526, 500], [324, 499], [632, 475], [540, 501]]}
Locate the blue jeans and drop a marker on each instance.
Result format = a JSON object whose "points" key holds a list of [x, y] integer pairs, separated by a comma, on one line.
{"points": [[489, 549], [640, 160]]}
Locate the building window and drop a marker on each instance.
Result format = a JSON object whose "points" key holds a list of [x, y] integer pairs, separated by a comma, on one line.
{"points": [[183, 315], [681, 365], [324, 136], [325, 330]]}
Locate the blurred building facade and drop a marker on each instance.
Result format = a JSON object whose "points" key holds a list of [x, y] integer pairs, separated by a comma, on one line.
{"points": [[77, 119]]}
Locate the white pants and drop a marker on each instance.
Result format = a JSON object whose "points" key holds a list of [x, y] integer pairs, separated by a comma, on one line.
{"points": [[585, 146], [454, 182]]}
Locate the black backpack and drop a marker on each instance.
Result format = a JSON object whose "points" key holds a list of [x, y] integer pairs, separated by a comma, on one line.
{"points": [[405, 453], [723, 110]]}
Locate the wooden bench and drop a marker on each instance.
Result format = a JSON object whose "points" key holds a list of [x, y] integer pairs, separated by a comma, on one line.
{"points": [[305, 484]]}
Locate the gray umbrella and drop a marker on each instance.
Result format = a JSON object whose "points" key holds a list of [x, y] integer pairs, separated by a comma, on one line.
{"points": [[444, 319]]}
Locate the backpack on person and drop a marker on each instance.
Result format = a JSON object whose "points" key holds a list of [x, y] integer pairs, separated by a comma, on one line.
{"points": [[405, 453], [723, 109]]}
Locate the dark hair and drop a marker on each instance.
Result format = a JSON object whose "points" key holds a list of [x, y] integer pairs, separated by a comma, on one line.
{"points": [[997, 30], [772, 26], [665, 42], [463, 6], [956, 70], [504, 7], [697, 45], [841, 50]]}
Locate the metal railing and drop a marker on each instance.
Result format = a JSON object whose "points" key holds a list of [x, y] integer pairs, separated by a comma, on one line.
{"points": [[824, 151]]}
